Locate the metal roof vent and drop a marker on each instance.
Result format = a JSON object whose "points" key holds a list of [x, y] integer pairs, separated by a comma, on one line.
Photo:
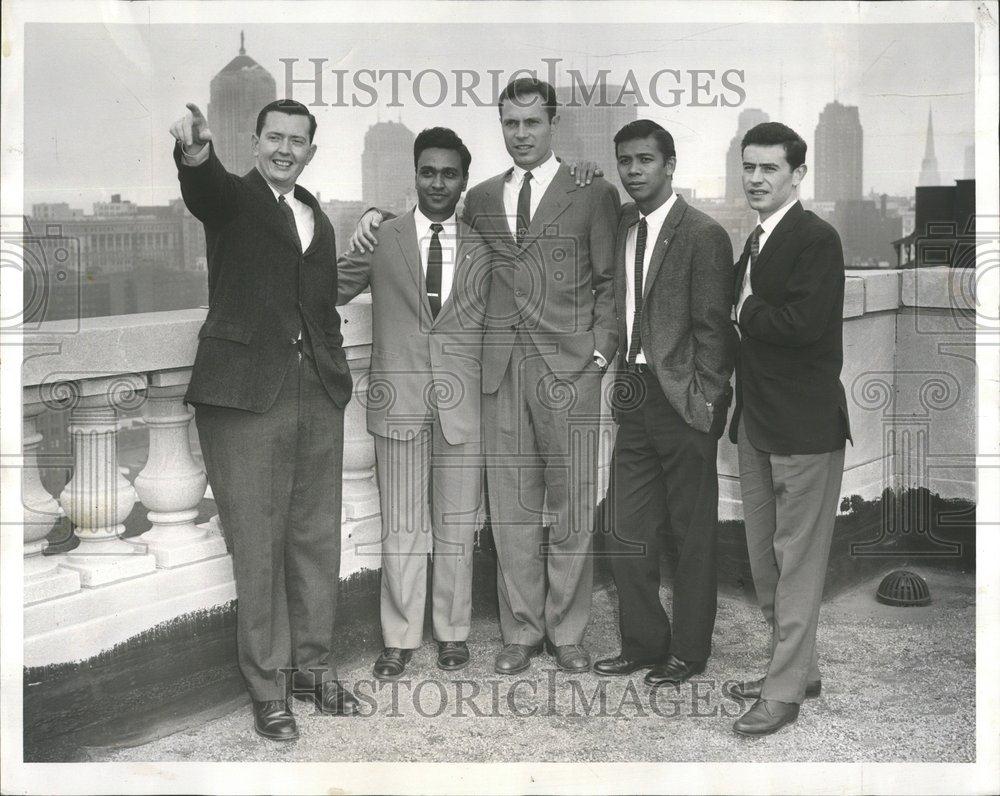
{"points": [[903, 588]]}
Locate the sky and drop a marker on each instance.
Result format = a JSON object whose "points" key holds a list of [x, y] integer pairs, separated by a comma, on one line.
{"points": [[100, 98]]}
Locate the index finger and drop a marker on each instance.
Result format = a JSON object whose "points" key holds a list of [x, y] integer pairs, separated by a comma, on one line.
{"points": [[195, 111]]}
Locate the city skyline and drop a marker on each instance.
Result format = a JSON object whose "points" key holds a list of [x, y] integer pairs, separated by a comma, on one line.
{"points": [[60, 166]]}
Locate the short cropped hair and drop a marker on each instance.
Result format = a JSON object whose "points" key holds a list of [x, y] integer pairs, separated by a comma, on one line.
{"points": [[774, 133], [442, 138], [525, 87], [292, 108], [646, 128]]}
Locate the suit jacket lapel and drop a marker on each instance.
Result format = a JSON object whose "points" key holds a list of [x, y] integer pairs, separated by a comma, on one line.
{"points": [[623, 269], [554, 201], [270, 211], [773, 242], [320, 231], [493, 222], [663, 240], [458, 277], [409, 247]]}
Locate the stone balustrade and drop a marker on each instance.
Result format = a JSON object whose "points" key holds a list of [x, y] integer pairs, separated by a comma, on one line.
{"points": [[909, 360]]}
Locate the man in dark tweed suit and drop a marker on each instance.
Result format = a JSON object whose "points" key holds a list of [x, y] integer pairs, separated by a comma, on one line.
{"points": [[269, 386], [673, 294]]}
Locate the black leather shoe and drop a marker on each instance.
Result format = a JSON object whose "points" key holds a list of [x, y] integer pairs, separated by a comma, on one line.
{"points": [[569, 657], [766, 716], [391, 663], [514, 658], [620, 665], [673, 671], [273, 720], [331, 697], [752, 689], [452, 655]]}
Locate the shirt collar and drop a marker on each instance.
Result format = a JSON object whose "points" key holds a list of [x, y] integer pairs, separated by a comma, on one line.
{"points": [[423, 225], [541, 174], [658, 216], [289, 196], [771, 221]]}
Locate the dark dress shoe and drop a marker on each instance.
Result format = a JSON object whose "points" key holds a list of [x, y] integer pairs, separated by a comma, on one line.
{"points": [[766, 716], [620, 665], [452, 655], [331, 698], [514, 658], [673, 671], [273, 720], [752, 689], [570, 657], [391, 663]]}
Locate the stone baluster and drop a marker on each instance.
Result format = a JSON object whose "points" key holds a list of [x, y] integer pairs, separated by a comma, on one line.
{"points": [[172, 484], [43, 577], [98, 498]]}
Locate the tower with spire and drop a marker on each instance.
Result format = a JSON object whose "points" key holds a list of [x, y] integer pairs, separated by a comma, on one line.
{"points": [[929, 174], [236, 96]]}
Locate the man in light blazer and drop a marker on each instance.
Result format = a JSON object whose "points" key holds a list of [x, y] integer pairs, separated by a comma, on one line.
{"points": [[428, 283], [674, 293], [551, 332], [269, 385], [790, 421]]}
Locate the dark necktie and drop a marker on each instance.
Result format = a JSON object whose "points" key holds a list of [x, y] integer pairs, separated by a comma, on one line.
{"points": [[524, 207], [434, 270], [754, 251], [290, 218], [635, 343]]}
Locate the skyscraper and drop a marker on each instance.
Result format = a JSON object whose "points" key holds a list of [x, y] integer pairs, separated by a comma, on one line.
{"points": [[587, 130], [751, 117], [838, 151], [970, 162], [237, 94], [929, 174], [387, 167]]}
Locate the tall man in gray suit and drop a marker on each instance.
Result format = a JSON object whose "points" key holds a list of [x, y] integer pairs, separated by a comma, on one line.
{"points": [[428, 305], [551, 333], [674, 293], [790, 421]]}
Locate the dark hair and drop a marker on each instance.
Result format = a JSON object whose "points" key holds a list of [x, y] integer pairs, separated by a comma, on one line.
{"points": [[645, 128], [525, 87], [773, 133], [442, 138], [292, 108]]}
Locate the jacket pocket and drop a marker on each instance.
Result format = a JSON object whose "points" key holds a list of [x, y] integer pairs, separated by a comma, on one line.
{"points": [[226, 330]]}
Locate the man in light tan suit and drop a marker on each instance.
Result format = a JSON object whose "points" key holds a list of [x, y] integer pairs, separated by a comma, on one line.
{"points": [[428, 283]]}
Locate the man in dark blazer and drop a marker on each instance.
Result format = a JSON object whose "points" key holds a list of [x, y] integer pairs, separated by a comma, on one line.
{"points": [[269, 386], [673, 293], [790, 421], [551, 332], [428, 307]]}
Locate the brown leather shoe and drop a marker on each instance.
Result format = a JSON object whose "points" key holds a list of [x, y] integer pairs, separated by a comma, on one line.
{"points": [[570, 657], [766, 716], [331, 698], [452, 655], [391, 664], [752, 689], [273, 720], [673, 671], [620, 665], [515, 658]]}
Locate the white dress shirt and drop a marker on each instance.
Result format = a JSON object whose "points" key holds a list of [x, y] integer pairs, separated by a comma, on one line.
{"points": [[654, 223], [449, 248], [767, 226], [541, 176], [305, 224]]}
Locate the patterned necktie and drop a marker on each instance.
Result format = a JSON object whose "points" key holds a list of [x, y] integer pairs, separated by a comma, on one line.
{"points": [[635, 342], [433, 279], [754, 251], [290, 218], [524, 207]]}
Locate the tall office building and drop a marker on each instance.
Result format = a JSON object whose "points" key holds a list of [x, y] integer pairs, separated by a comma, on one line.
{"points": [[929, 174], [970, 162], [238, 93], [387, 167], [838, 151], [586, 131], [751, 117]]}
